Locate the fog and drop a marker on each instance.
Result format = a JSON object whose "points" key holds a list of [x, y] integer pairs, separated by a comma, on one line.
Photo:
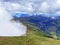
{"points": [[8, 27]]}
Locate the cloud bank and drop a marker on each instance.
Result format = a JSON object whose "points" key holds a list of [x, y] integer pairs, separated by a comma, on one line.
{"points": [[33, 6], [8, 27]]}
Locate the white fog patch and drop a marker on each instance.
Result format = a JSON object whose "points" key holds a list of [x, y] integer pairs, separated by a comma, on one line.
{"points": [[8, 27]]}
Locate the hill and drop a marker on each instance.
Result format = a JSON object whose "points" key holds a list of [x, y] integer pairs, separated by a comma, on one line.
{"points": [[33, 37]]}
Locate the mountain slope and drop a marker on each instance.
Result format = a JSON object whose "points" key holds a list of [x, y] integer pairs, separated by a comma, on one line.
{"points": [[33, 37]]}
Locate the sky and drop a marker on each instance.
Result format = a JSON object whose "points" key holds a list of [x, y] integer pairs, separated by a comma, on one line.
{"points": [[39, 6], [31, 6]]}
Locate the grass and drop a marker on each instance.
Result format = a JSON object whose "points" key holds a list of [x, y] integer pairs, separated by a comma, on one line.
{"points": [[38, 38], [34, 37], [14, 40]]}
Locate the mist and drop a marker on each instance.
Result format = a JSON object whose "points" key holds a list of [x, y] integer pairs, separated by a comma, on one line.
{"points": [[8, 27]]}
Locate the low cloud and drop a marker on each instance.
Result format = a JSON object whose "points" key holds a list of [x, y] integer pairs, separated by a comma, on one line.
{"points": [[8, 27]]}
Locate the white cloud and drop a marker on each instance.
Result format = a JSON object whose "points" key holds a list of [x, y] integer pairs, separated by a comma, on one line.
{"points": [[49, 6], [8, 28], [44, 7], [14, 7], [58, 12]]}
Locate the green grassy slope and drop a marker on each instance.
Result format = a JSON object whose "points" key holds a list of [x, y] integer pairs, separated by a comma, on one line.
{"points": [[34, 37], [37, 38]]}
